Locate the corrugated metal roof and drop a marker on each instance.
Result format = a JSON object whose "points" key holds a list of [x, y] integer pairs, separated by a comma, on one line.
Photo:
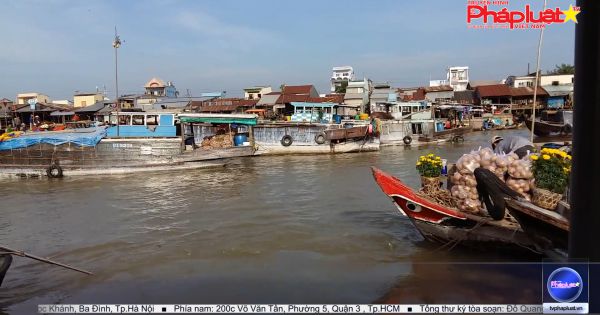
{"points": [[493, 90], [527, 91], [441, 88], [297, 89], [559, 90], [268, 100], [90, 109]]}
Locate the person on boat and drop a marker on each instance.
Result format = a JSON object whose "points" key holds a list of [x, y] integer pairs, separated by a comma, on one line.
{"points": [[507, 123], [75, 118], [512, 144]]}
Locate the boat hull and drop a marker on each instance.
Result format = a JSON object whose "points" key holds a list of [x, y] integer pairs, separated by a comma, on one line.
{"points": [[441, 224], [5, 262]]}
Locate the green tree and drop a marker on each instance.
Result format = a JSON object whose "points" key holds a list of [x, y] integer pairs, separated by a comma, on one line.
{"points": [[342, 88], [563, 68]]}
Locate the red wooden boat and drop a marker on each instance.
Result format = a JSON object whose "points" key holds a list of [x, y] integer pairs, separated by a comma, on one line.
{"points": [[446, 225]]}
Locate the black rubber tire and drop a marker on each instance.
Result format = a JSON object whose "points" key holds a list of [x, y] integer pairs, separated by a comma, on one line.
{"points": [[287, 141], [54, 171], [458, 139], [566, 129], [407, 140], [320, 138], [493, 191]]}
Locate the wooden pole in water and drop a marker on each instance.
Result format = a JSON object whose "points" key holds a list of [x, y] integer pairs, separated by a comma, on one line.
{"points": [[45, 260], [537, 77], [585, 218]]}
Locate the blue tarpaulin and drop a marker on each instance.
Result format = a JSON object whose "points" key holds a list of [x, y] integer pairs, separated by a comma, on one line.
{"points": [[89, 137]]}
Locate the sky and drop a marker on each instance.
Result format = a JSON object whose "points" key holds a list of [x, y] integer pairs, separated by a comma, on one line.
{"points": [[58, 47]]}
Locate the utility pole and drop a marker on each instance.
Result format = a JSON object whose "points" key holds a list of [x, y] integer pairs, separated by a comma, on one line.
{"points": [[116, 45], [584, 233]]}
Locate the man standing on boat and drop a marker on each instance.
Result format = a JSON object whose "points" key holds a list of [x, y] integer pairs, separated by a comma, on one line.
{"points": [[512, 144]]}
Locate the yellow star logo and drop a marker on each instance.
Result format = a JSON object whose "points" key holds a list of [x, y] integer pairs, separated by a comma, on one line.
{"points": [[570, 14]]}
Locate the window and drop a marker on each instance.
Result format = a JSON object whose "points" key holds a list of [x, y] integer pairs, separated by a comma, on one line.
{"points": [[529, 84], [83, 103], [555, 82], [138, 120], [417, 129], [521, 84], [152, 120], [125, 120]]}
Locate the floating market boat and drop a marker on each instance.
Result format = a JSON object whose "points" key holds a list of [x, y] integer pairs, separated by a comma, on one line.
{"points": [[552, 122], [448, 225], [274, 138], [548, 230], [133, 142]]}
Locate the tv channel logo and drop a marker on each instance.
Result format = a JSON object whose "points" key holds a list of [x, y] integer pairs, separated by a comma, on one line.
{"points": [[564, 285], [566, 288]]}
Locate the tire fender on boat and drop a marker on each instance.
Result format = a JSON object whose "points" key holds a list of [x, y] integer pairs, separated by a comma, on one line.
{"points": [[407, 140], [566, 129], [286, 140], [54, 171], [320, 138], [458, 138]]}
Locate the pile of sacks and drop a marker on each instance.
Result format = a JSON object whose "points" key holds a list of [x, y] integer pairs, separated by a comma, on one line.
{"points": [[218, 141], [516, 172]]}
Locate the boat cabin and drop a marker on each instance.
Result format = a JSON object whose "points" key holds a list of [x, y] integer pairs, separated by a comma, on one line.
{"points": [[217, 131], [142, 125], [312, 112], [400, 110]]}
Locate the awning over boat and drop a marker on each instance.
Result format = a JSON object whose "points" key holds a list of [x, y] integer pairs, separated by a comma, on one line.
{"points": [[84, 137], [241, 119]]}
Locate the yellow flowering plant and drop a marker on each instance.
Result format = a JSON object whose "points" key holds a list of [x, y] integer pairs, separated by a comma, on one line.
{"points": [[551, 169], [429, 165]]}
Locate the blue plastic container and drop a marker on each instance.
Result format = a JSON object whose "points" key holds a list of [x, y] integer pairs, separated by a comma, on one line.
{"points": [[239, 139], [337, 118]]}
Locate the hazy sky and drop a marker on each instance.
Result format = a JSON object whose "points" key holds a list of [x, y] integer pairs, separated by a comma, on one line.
{"points": [[58, 47]]}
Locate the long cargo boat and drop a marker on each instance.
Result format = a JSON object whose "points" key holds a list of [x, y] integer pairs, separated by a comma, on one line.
{"points": [[132, 142]]}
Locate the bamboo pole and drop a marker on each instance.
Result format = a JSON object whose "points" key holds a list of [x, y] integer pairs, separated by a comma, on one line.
{"points": [[537, 77], [45, 260]]}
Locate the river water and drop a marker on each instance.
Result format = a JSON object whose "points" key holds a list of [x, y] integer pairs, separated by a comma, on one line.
{"points": [[280, 229]]}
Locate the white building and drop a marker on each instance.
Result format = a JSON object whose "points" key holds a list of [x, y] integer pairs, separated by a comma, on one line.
{"points": [[256, 92], [340, 74], [545, 80], [557, 79], [520, 81], [458, 78]]}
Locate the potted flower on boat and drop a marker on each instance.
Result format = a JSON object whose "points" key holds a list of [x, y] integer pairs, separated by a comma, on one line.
{"points": [[430, 168], [551, 169]]}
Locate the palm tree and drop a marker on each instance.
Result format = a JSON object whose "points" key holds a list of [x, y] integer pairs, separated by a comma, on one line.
{"points": [[563, 68]]}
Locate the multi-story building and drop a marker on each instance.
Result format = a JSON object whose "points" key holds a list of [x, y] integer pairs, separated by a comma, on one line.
{"points": [[357, 96], [458, 78], [87, 99], [339, 75], [157, 87], [382, 96], [256, 92], [23, 98]]}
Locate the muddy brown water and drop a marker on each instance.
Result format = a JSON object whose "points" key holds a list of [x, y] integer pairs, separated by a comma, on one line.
{"points": [[280, 229]]}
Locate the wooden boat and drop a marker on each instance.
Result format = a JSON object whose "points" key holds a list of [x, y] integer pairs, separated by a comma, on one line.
{"points": [[547, 229], [347, 133], [550, 122], [446, 225]]}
